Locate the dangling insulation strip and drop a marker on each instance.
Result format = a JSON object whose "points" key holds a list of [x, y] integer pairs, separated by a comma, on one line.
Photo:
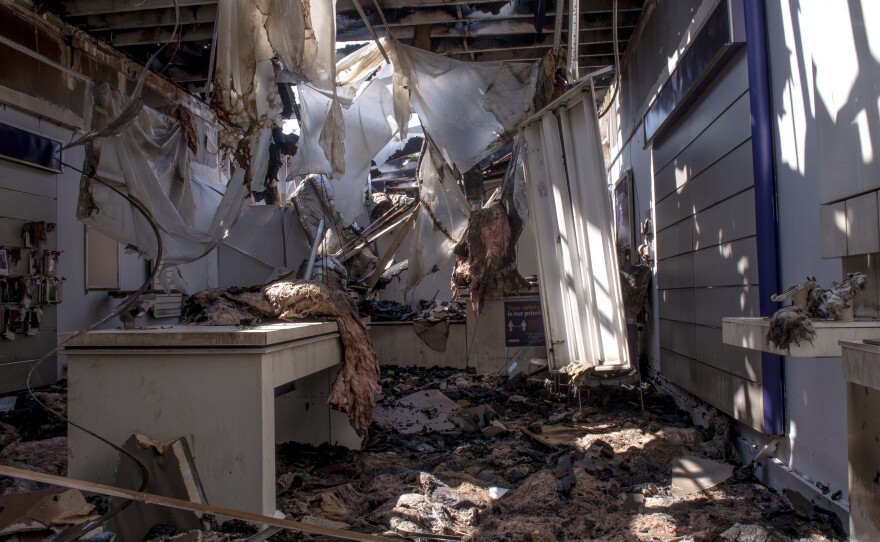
{"points": [[250, 34], [367, 128]]}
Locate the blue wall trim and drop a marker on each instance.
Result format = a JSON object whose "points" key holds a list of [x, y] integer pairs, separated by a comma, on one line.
{"points": [[765, 205]]}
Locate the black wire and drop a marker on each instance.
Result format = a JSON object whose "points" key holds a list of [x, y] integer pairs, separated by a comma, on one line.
{"points": [[90, 525]]}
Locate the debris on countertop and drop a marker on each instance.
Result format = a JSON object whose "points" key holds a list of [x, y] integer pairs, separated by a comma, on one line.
{"points": [[792, 324], [356, 385]]}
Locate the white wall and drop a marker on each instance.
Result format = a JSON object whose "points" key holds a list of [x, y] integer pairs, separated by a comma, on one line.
{"points": [[815, 443], [28, 194]]}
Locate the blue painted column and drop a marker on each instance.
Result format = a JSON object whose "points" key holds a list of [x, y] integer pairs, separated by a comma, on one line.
{"points": [[765, 205]]}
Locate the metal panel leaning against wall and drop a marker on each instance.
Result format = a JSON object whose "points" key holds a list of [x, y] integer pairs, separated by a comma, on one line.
{"points": [[571, 216]]}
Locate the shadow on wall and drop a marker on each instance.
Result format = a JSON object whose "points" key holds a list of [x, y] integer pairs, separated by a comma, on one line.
{"points": [[827, 124]]}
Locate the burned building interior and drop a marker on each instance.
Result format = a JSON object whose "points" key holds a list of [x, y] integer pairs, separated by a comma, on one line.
{"points": [[452, 270]]}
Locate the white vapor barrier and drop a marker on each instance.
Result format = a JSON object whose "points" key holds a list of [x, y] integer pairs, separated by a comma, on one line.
{"points": [[442, 217], [469, 109], [369, 126], [570, 211], [150, 161]]}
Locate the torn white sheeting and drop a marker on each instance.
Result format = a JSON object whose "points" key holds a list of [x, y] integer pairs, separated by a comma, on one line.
{"points": [[470, 109], [249, 36], [442, 217], [317, 65], [354, 69], [570, 213], [150, 161], [244, 74], [369, 126]]}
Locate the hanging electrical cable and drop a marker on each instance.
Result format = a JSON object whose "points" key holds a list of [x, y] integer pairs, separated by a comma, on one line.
{"points": [[616, 58], [135, 103]]}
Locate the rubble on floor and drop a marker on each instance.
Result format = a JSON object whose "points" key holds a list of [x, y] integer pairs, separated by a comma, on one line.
{"points": [[31, 438], [491, 458], [549, 470]]}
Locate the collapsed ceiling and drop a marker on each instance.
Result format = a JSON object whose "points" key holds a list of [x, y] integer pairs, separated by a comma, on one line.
{"points": [[472, 30]]}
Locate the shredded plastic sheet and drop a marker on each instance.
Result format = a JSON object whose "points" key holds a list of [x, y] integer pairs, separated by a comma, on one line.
{"points": [[368, 128], [442, 217], [354, 69], [150, 161], [250, 34], [470, 109]]}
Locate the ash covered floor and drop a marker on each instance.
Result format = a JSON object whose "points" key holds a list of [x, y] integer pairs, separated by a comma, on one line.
{"points": [[601, 472], [487, 458]]}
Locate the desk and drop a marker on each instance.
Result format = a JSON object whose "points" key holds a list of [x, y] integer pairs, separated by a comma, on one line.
{"points": [[861, 369], [215, 385]]}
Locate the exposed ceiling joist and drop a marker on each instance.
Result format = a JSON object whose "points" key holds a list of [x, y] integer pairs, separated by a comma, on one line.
{"points": [[81, 8], [587, 7], [477, 30], [535, 53], [150, 18], [343, 6], [163, 34], [456, 47], [496, 26], [181, 76]]}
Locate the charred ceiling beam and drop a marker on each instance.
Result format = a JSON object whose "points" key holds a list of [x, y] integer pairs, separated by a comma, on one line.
{"points": [[81, 8], [586, 50], [502, 25], [343, 6], [149, 18], [145, 36], [478, 10], [451, 46], [526, 55], [180, 75]]}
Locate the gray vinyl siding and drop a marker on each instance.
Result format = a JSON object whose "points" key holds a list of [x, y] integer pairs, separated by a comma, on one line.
{"points": [[706, 247], [26, 195]]}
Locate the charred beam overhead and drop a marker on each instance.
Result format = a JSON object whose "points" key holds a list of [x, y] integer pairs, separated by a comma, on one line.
{"points": [[535, 53], [82, 8], [498, 26], [601, 38], [587, 6], [145, 36], [206, 14]]}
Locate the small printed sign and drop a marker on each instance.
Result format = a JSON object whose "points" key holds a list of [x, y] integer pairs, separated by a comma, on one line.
{"points": [[523, 323]]}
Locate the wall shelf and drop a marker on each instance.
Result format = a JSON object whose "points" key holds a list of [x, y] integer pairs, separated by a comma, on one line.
{"points": [[752, 333]]}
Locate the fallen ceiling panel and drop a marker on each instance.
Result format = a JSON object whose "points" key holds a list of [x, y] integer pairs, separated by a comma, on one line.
{"points": [[571, 216]]}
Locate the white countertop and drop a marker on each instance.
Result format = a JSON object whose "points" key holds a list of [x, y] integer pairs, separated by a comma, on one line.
{"points": [[200, 336]]}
